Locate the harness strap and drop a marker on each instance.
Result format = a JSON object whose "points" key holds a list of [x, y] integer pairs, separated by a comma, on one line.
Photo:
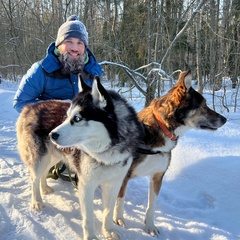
{"points": [[147, 151]]}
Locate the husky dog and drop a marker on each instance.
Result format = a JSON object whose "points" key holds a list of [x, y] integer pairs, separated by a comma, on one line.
{"points": [[165, 120], [97, 139]]}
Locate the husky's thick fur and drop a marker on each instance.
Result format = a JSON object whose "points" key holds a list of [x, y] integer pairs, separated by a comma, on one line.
{"points": [[103, 133], [165, 120]]}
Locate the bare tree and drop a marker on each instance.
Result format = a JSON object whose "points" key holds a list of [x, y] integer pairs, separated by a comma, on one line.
{"points": [[234, 45], [199, 53], [153, 34], [179, 34]]}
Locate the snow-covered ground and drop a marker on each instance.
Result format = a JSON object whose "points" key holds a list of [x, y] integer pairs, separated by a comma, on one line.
{"points": [[200, 196]]}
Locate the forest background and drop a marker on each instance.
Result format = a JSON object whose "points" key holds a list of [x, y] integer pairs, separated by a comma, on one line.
{"points": [[137, 42]]}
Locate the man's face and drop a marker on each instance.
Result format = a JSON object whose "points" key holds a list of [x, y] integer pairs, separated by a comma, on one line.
{"points": [[72, 53], [73, 47]]}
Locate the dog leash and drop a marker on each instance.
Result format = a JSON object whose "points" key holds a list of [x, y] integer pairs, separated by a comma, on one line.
{"points": [[57, 172]]}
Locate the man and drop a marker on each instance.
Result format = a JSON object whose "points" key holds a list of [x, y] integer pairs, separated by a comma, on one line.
{"points": [[56, 76]]}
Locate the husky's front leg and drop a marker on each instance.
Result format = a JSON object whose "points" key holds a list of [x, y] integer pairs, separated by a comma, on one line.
{"points": [[86, 195], [119, 206], [109, 195]]}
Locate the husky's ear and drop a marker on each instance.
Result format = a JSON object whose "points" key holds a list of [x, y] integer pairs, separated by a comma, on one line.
{"points": [[82, 86], [187, 79], [99, 93]]}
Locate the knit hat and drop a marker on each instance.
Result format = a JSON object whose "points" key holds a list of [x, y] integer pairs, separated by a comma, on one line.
{"points": [[72, 28]]}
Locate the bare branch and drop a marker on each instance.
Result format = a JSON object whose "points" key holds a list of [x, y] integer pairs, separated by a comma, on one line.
{"points": [[10, 65], [131, 73], [183, 30]]}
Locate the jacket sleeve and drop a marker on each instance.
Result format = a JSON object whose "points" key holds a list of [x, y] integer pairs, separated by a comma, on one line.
{"points": [[30, 87]]}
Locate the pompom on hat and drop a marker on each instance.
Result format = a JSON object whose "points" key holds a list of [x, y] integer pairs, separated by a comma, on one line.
{"points": [[72, 28]]}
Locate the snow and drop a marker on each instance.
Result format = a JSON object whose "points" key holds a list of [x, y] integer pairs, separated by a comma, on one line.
{"points": [[199, 199]]}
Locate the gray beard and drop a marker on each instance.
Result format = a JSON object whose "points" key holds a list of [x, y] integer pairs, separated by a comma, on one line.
{"points": [[71, 66]]}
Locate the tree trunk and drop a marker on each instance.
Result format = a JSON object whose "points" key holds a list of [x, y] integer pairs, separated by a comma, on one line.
{"points": [[199, 53]]}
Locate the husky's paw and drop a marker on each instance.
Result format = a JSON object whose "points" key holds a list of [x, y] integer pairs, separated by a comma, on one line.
{"points": [[152, 230], [112, 234], [46, 190], [37, 206], [120, 222]]}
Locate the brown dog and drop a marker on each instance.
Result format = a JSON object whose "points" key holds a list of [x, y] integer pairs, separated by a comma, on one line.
{"points": [[165, 120]]}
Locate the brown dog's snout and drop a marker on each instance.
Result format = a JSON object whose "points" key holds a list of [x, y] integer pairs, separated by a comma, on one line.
{"points": [[224, 120]]}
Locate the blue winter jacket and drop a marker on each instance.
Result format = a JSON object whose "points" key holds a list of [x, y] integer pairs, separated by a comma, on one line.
{"points": [[44, 80]]}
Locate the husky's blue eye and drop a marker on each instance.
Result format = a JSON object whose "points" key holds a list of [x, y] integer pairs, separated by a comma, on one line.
{"points": [[77, 119]]}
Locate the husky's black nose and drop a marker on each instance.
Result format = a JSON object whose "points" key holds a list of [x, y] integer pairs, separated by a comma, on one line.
{"points": [[54, 135]]}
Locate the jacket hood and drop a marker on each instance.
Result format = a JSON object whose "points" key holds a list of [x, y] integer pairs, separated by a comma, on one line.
{"points": [[50, 63]]}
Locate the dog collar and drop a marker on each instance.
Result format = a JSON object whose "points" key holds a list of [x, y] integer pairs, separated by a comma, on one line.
{"points": [[164, 128]]}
